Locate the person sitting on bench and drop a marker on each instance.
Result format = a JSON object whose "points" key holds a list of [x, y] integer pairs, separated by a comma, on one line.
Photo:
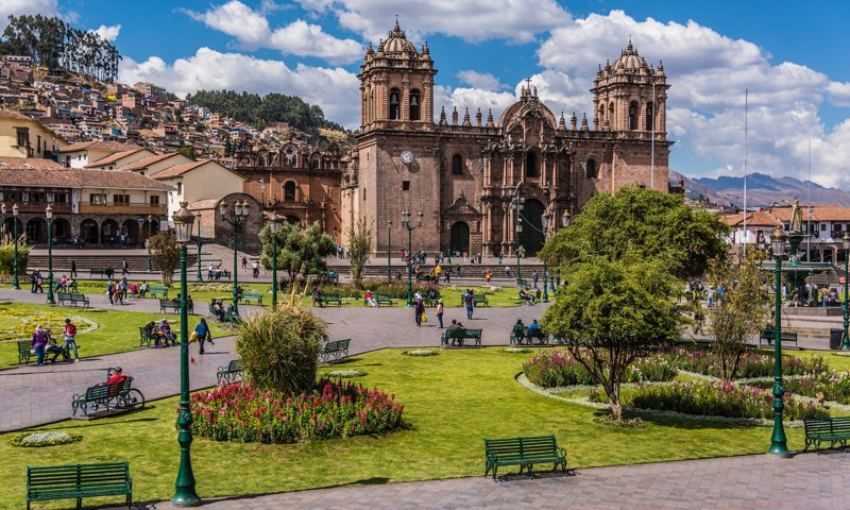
{"points": [[455, 331], [519, 331], [164, 332], [143, 289], [218, 309], [53, 348], [526, 296], [117, 377], [534, 330]]}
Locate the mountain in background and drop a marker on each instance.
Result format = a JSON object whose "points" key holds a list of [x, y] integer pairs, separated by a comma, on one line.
{"points": [[762, 190]]}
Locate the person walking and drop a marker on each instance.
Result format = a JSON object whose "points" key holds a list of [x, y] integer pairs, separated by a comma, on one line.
{"points": [[440, 312], [110, 291], [469, 301], [534, 278], [203, 334], [418, 310], [244, 262], [125, 267], [33, 280], [74, 269], [69, 334], [255, 268]]}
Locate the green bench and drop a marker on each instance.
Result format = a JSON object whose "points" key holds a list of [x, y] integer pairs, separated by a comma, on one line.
{"points": [[829, 430], [25, 351], [74, 298], [251, 297], [458, 336], [524, 452], [158, 291], [335, 349], [146, 340], [167, 304], [328, 299], [97, 271], [481, 300], [520, 334], [118, 396], [787, 336], [382, 299], [79, 481], [231, 372]]}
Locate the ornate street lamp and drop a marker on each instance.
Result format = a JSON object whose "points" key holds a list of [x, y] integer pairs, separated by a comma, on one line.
{"points": [[184, 489], [200, 277], [49, 214], [274, 226], [238, 217], [141, 221], [15, 283], [845, 241], [518, 202], [408, 224], [778, 442], [389, 251], [546, 217], [566, 221], [150, 234]]}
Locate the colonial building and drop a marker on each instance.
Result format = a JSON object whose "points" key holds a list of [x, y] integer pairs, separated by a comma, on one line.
{"points": [[23, 137], [463, 171]]}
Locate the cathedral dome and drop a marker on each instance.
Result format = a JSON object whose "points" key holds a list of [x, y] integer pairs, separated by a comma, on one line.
{"points": [[629, 60], [397, 42]]}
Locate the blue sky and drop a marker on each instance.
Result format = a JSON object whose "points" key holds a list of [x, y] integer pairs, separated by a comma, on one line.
{"points": [[788, 54]]}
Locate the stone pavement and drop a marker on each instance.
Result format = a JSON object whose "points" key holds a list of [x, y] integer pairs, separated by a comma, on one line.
{"points": [[807, 481]]}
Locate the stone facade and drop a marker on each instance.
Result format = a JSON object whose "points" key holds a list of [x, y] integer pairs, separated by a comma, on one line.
{"points": [[465, 172]]}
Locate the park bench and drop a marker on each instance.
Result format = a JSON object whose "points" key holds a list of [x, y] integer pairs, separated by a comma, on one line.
{"points": [[481, 300], [146, 340], [167, 304], [252, 297], [518, 336], [79, 481], [231, 372], [829, 430], [231, 318], [787, 336], [158, 291], [25, 351], [457, 336], [97, 271], [382, 300], [328, 299], [74, 298], [335, 349], [523, 451], [118, 396]]}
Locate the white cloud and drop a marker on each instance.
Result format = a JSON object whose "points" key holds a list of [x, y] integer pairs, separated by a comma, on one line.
{"points": [[19, 7], [108, 33], [334, 89], [480, 80], [252, 30], [471, 20]]}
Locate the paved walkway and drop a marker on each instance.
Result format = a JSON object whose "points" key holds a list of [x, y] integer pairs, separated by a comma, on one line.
{"points": [[807, 481]]}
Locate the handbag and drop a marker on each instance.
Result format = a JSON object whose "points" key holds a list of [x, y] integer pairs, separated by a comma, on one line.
{"points": [[424, 317], [193, 337]]}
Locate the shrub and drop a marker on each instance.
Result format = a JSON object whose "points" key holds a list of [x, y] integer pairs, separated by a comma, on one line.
{"points": [[279, 349], [7, 256], [753, 363], [832, 386], [559, 368], [239, 412], [715, 399], [43, 439], [352, 372]]}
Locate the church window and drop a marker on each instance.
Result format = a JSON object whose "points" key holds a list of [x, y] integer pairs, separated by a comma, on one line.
{"points": [[531, 169], [395, 105], [457, 164], [633, 115], [590, 168], [289, 191], [405, 185], [650, 115], [414, 105]]}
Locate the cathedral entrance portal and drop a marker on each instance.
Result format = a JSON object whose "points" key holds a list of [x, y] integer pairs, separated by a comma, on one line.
{"points": [[531, 238], [459, 238]]}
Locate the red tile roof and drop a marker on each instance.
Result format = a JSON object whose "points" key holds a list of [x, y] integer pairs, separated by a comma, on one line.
{"points": [[46, 173], [178, 170], [12, 114], [757, 218], [148, 161], [99, 146], [112, 158], [819, 213]]}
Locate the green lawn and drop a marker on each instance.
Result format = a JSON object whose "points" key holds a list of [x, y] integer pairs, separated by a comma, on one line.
{"points": [[452, 401], [116, 331]]}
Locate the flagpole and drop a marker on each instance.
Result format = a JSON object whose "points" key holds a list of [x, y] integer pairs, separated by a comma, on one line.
{"points": [[746, 154]]}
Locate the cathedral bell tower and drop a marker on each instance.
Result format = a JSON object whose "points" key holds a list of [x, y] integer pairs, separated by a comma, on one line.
{"points": [[630, 95], [397, 85]]}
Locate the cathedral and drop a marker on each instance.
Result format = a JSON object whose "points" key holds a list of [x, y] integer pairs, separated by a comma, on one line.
{"points": [[474, 184]]}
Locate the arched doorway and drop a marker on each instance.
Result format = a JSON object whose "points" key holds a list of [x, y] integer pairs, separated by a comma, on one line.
{"points": [[531, 238], [61, 230], [459, 238], [89, 231], [131, 229], [37, 230], [108, 232]]}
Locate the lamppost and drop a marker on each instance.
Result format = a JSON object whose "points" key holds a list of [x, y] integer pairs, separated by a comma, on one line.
{"points": [[49, 214], [546, 217], [566, 221], [407, 223], [778, 443], [274, 225], [238, 217], [15, 283], [200, 278], [184, 488], [389, 250], [150, 234], [845, 345], [141, 221], [517, 204]]}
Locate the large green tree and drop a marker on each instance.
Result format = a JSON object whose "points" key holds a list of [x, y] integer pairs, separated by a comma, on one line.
{"points": [[299, 250], [613, 312], [635, 224]]}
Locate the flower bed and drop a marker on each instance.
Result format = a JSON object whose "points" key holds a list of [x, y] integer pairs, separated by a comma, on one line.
{"points": [[753, 364], [238, 412], [16, 323], [832, 386], [713, 399], [44, 439], [558, 368]]}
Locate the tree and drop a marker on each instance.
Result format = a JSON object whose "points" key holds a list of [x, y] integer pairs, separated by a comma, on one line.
{"points": [[635, 224], [7, 255], [299, 250], [166, 252], [612, 312], [359, 246], [742, 311]]}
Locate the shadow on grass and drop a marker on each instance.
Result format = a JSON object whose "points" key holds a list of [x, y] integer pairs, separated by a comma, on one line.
{"points": [[683, 422], [101, 421]]}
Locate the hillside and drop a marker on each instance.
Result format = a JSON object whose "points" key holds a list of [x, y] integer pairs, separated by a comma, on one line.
{"points": [[762, 190]]}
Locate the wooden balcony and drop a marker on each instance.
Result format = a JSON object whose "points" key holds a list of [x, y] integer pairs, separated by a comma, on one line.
{"points": [[128, 209]]}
